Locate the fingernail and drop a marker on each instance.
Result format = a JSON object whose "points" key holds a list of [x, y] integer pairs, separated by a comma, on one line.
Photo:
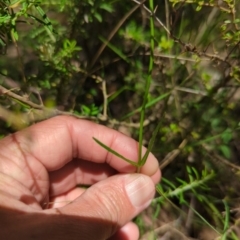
{"points": [[140, 189]]}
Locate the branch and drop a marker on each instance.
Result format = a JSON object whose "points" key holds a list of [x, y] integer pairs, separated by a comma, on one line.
{"points": [[39, 112], [187, 46], [24, 100]]}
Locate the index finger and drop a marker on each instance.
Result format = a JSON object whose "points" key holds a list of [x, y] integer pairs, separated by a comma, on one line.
{"points": [[57, 141]]}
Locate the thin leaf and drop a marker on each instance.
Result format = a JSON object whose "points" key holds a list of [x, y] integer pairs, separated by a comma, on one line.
{"points": [[209, 139], [227, 215], [203, 219], [114, 49], [46, 22], [148, 105], [106, 7], [169, 183], [151, 143], [118, 92], [115, 153]]}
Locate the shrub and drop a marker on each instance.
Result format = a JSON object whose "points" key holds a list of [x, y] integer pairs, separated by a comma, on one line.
{"points": [[97, 59]]}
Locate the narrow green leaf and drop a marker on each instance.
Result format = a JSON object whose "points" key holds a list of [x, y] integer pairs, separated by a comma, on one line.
{"points": [[196, 173], [98, 17], [117, 93], [21, 103], [203, 219], [107, 7], [151, 143], [115, 153], [208, 139], [227, 213], [148, 105], [164, 180], [46, 22], [114, 49]]}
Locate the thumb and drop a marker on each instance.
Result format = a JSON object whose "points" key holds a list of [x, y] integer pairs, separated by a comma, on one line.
{"points": [[108, 205]]}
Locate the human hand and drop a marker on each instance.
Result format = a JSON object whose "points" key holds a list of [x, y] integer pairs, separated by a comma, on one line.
{"points": [[40, 168]]}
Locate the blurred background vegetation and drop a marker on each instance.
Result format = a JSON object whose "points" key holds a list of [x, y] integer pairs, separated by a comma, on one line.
{"points": [[90, 59]]}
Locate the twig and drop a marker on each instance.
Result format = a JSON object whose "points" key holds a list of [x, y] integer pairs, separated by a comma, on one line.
{"points": [[167, 14], [161, 55], [233, 12], [189, 90], [113, 32], [40, 112], [186, 46], [207, 5], [217, 158], [172, 155], [173, 233], [152, 14], [204, 26], [11, 94], [105, 99]]}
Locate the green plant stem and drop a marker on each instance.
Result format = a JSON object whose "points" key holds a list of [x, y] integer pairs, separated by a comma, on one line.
{"points": [[148, 84], [181, 189]]}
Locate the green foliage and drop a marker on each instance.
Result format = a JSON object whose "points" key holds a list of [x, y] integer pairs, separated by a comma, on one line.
{"points": [[92, 110], [168, 189], [168, 74], [134, 32]]}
